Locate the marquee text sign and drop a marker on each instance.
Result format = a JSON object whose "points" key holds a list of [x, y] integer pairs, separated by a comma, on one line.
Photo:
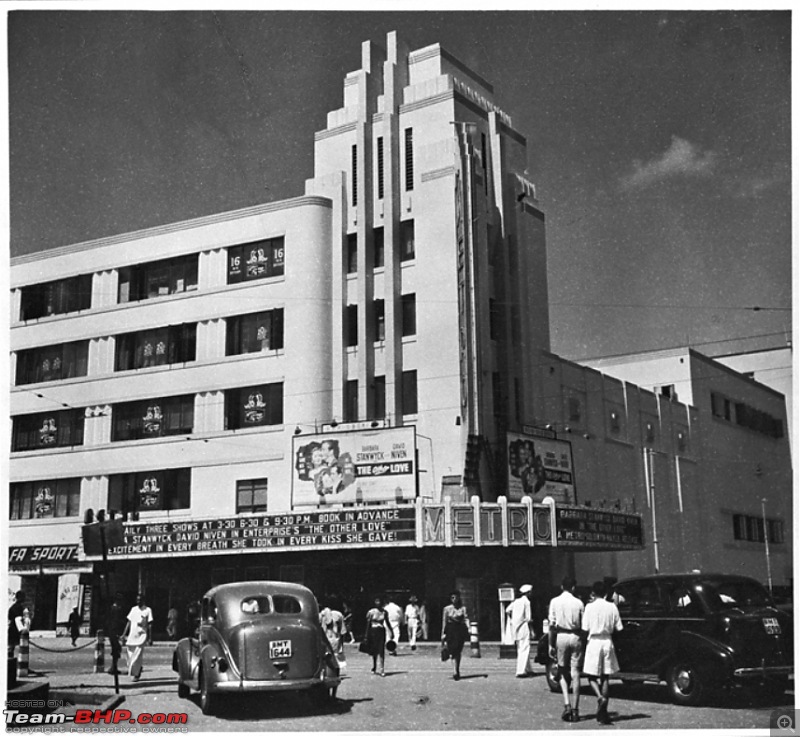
{"points": [[581, 527], [351, 528]]}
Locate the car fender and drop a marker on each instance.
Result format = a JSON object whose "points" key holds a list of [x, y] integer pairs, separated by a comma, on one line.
{"points": [[706, 653], [185, 659], [214, 648]]}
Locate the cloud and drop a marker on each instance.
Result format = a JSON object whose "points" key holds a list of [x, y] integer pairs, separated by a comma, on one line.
{"points": [[681, 159]]}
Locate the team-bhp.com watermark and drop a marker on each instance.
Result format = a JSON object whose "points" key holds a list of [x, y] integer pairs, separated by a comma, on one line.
{"points": [[40, 716]]}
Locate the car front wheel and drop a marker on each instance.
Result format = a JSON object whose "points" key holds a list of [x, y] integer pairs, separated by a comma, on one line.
{"points": [[687, 685], [208, 701]]}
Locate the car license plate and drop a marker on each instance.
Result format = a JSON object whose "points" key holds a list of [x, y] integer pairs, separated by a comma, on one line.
{"points": [[772, 626], [280, 649]]}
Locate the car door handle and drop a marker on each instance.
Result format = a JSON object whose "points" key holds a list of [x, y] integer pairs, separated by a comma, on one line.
{"points": [[634, 625]]}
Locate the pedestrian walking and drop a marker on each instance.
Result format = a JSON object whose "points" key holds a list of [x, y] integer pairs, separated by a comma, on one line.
{"points": [[395, 615], [16, 622], [519, 612], [347, 613], [332, 621], [455, 631], [74, 623], [115, 628], [566, 645], [600, 621], [375, 634], [172, 623], [412, 621], [137, 635], [423, 620]]}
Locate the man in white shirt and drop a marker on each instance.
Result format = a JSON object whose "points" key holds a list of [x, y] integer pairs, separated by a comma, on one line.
{"points": [[137, 634], [519, 612], [412, 621], [395, 614], [600, 621], [566, 645]]}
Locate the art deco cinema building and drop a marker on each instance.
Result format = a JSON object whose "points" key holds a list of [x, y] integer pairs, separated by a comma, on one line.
{"points": [[188, 376]]}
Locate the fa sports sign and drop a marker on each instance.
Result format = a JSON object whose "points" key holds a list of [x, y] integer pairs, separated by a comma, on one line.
{"points": [[364, 466]]}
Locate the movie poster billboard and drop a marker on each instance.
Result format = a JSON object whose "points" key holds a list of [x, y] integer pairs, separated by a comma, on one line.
{"points": [[540, 467], [364, 466]]}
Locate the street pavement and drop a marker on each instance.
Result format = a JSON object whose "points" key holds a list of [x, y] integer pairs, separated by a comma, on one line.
{"points": [[417, 694]]}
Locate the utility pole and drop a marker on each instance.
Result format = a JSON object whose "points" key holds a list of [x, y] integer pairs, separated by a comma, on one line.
{"points": [[766, 542]]}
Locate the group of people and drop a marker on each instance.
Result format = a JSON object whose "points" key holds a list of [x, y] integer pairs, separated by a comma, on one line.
{"points": [[579, 640], [133, 631], [385, 618]]}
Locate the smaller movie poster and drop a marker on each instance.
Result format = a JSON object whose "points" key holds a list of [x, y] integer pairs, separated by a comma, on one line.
{"points": [[540, 467]]}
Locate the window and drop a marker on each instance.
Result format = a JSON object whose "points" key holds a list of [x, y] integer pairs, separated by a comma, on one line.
{"points": [[667, 390], [410, 406], [157, 347], [407, 251], [494, 320], [378, 248], [409, 148], [258, 260], [157, 279], [380, 168], [260, 331], [48, 430], [45, 499], [53, 363], [746, 416], [351, 327], [574, 411], [499, 395], [409, 314], [251, 496], [682, 440], [153, 418], [354, 174], [380, 320], [351, 401], [751, 529], [379, 397], [614, 421], [56, 297], [254, 406], [352, 253], [650, 432], [150, 490]]}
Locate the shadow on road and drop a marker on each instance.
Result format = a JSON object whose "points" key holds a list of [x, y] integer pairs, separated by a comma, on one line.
{"points": [[241, 708], [738, 697]]}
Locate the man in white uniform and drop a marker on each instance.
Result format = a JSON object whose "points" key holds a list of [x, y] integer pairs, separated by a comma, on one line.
{"points": [[566, 645], [519, 612], [600, 620], [137, 635], [395, 620]]}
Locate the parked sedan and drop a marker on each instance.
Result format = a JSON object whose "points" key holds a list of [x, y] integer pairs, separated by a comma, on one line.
{"points": [[256, 636], [699, 632]]}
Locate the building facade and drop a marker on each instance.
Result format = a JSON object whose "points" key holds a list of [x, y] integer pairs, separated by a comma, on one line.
{"points": [[192, 377]]}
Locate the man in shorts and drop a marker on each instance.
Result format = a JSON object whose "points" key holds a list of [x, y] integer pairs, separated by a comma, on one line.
{"points": [[600, 620], [566, 645]]}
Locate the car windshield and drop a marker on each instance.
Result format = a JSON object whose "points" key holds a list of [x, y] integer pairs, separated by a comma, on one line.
{"points": [[735, 594]]}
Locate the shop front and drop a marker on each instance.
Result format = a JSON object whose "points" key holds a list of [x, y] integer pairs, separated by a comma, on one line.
{"points": [[53, 580]]}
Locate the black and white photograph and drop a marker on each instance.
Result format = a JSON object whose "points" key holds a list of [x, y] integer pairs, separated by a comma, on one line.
{"points": [[398, 368]]}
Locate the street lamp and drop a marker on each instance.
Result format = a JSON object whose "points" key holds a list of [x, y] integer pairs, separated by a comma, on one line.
{"points": [[766, 543]]}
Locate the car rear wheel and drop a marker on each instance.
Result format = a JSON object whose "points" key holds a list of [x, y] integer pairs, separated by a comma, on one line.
{"points": [[687, 685], [553, 681], [208, 701], [183, 690]]}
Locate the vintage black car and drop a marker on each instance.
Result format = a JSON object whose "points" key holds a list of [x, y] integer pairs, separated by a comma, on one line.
{"points": [[699, 632], [256, 636]]}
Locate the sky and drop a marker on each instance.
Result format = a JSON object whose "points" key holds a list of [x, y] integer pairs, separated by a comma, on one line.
{"points": [[659, 143]]}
